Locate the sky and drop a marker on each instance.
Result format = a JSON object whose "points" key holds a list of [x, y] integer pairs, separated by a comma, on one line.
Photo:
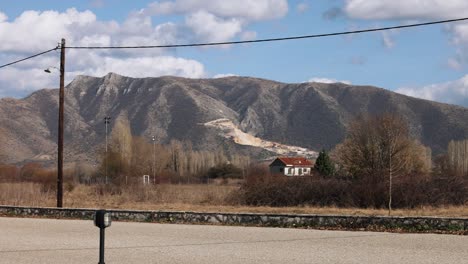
{"points": [[426, 62]]}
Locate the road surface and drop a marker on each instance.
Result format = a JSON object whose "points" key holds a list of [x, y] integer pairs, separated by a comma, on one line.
{"points": [[72, 241]]}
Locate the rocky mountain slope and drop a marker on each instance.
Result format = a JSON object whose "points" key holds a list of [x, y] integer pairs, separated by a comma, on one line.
{"points": [[301, 118]]}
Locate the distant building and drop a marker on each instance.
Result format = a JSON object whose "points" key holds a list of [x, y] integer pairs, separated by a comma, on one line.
{"points": [[291, 166]]}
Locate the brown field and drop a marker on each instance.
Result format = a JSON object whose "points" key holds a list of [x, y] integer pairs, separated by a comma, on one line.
{"points": [[202, 198]]}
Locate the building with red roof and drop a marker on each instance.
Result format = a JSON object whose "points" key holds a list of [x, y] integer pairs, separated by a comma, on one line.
{"points": [[291, 166]]}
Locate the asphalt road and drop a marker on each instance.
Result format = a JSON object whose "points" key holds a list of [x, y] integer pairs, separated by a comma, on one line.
{"points": [[71, 241]]}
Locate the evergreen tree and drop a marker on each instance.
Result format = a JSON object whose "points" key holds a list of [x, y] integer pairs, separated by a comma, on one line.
{"points": [[324, 165]]}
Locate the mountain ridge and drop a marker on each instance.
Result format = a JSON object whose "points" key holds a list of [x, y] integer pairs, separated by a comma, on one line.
{"points": [[309, 115]]}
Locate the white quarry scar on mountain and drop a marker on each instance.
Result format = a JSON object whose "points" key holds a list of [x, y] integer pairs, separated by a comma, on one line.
{"points": [[228, 129]]}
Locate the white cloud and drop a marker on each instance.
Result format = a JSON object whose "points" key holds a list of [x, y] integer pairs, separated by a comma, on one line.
{"points": [[459, 38], [83, 29], [223, 75], [249, 35], [387, 40], [45, 28], [13, 83], [302, 7], [453, 92], [150, 67], [416, 10], [406, 9], [204, 21], [246, 9], [214, 20], [327, 80], [210, 28], [3, 17]]}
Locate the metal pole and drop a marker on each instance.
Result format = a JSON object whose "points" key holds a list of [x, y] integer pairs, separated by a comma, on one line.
{"points": [[106, 150], [106, 133], [154, 159], [101, 245], [60, 127], [106, 122]]}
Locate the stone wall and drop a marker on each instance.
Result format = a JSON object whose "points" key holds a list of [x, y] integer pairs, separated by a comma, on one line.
{"points": [[375, 223]]}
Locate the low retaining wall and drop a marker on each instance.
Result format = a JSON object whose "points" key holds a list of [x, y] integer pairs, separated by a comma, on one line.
{"points": [[374, 223]]}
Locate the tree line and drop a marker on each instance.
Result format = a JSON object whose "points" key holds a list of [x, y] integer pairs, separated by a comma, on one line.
{"points": [[379, 164], [133, 156]]}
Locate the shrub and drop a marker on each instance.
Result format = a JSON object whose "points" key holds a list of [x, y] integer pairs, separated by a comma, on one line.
{"points": [[324, 165], [408, 192], [224, 171]]}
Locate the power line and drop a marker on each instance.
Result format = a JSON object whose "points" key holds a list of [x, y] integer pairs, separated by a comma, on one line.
{"points": [[245, 41], [30, 57], [273, 39]]}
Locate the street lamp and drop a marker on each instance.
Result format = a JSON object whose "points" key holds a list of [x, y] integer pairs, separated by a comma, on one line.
{"points": [[60, 124], [48, 70], [106, 122]]}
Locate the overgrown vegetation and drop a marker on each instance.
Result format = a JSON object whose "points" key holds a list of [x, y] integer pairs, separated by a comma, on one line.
{"points": [[130, 157], [410, 192], [377, 166], [380, 166]]}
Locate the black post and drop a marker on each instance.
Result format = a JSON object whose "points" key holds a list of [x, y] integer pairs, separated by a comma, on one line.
{"points": [[60, 127], [101, 245], [102, 219]]}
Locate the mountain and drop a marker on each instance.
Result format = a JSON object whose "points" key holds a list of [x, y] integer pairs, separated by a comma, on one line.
{"points": [[239, 114]]}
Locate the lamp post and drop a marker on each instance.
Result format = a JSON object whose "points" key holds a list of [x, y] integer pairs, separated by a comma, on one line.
{"points": [[106, 122], [154, 159], [60, 125]]}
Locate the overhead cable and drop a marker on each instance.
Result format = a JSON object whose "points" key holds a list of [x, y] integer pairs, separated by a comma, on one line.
{"points": [[27, 58], [270, 39], [245, 41]]}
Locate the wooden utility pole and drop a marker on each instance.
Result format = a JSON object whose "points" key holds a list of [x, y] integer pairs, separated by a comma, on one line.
{"points": [[60, 127]]}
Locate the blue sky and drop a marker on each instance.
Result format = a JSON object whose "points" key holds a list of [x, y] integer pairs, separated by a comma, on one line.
{"points": [[427, 62]]}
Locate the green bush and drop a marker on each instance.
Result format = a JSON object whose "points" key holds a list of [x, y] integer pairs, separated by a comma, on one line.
{"points": [[324, 165]]}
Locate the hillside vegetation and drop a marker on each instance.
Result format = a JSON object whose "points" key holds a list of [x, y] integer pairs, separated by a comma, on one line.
{"points": [[307, 115]]}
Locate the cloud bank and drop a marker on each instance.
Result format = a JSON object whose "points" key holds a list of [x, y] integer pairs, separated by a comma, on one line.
{"points": [[327, 80], [203, 21], [453, 92]]}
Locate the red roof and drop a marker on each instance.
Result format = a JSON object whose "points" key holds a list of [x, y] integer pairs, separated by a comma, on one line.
{"points": [[296, 161]]}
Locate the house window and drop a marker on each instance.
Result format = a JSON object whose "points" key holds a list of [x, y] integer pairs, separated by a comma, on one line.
{"points": [[281, 169]]}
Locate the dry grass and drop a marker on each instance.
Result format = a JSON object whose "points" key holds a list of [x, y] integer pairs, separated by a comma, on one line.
{"points": [[140, 197], [203, 198], [29, 194]]}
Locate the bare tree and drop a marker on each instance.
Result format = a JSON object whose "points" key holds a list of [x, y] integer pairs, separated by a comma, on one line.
{"points": [[457, 152], [122, 142], [379, 146], [142, 162]]}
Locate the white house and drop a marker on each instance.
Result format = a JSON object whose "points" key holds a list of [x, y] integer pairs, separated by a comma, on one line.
{"points": [[291, 166]]}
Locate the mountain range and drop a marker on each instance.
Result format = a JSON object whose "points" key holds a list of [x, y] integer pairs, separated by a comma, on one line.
{"points": [[239, 114]]}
